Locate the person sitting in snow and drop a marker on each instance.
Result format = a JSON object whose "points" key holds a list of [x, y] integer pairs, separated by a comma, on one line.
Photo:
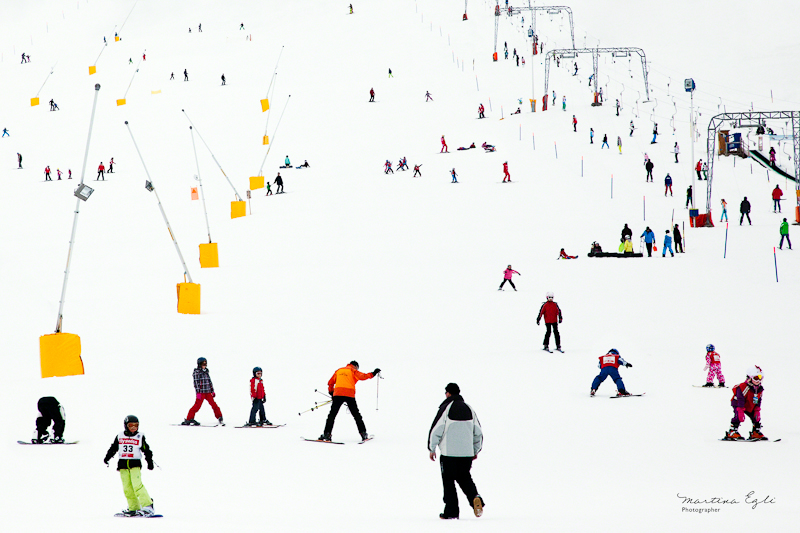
{"points": [[563, 255]]}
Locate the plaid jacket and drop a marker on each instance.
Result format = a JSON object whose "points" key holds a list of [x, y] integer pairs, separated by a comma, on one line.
{"points": [[202, 381]]}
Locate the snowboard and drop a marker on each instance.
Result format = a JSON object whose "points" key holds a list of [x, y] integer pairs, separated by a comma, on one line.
{"points": [[284, 166], [265, 427], [47, 443], [123, 515], [323, 441], [628, 396]]}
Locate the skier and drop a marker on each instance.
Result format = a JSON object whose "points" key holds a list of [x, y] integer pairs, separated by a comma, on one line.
{"points": [[480, 111], [200, 28], [58, 171], [649, 239], [655, 133], [576, 70], [453, 173], [258, 396], [5, 132], [744, 209], [488, 147], [605, 142], [185, 75], [287, 163], [591, 135], [609, 365], [428, 96], [387, 167], [632, 128], [130, 59], [223, 78], [677, 151], [714, 367], [600, 94], [23, 58], [552, 318], [279, 182], [785, 234], [372, 95], [69, 173], [269, 189], [457, 432], [776, 198], [724, 210], [506, 175], [689, 199], [618, 114], [111, 166], [52, 105], [19, 160], [507, 275], [564, 104], [772, 156], [574, 124], [667, 184], [172, 76], [351, 9], [676, 232], [101, 171], [390, 73], [705, 170], [591, 77], [417, 171], [131, 446], [204, 391], [144, 57], [444, 146], [47, 173], [697, 168], [402, 164], [50, 411], [342, 388], [619, 144], [648, 166], [746, 400], [517, 58], [667, 245], [241, 26]]}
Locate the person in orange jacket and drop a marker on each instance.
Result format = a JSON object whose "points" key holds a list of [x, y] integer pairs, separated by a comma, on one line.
{"points": [[342, 388]]}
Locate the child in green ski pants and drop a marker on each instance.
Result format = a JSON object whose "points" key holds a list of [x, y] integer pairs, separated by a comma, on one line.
{"points": [[131, 446]]}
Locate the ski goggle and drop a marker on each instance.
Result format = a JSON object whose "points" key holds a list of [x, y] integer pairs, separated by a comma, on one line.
{"points": [[757, 378]]}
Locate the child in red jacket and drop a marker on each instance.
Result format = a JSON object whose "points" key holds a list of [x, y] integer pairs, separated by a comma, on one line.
{"points": [[746, 400], [258, 396]]}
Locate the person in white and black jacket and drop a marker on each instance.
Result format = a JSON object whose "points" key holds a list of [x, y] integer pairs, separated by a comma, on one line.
{"points": [[457, 432]]}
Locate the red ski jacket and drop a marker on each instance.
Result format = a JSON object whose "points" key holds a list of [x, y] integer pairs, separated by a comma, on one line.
{"points": [[551, 312], [257, 389], [776, 193]]}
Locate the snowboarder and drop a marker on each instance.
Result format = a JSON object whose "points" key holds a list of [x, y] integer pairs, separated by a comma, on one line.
{"points": [[776, 198], [667, 245], [744, 209], [50, 412], [552, 318], [605, 142], [480, 111], [101, 172], [705, 170], [574, 124], [600, 94], [111, 166], [342, 388], [131, 446], [387, 167], [428, 96], [444, 146], [287, 163], [667, 184], [185, 75], [609, 365], [453, 173], [258, 396], [785, 234], [648, 166], [655, 133], [677, 151], [676, 233], [306, 165], [279, 182], [19, 160], [223, 78], [457, 432], [626, 232], [47, 173], [372, 95], [746, 400], [649, 239], [724, 205], [714, 367], [506, 175], [507, 275], [204, 391], [417, 171], [689, 199]]}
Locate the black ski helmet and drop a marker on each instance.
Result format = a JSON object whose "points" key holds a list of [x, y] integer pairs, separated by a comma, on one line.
{"points": [[256, 369], [201, 360], [354, 363], [129, 419]]}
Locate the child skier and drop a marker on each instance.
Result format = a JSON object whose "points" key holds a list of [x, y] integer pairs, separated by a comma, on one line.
{"points": [[204, 390], [50, 411], [387, 167], [131, 447], [746, 400], [608, 365], [453, 173], [417, 171], [507, 275], [714, 367], [258, 397]]}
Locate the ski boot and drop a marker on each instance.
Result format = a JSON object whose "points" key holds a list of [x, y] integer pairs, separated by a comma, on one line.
{"points": [[547, 349], [325, 436], [709, 384], [756, 434], [721, 385], [558, 349], [129, 512], [364, 436], [733, 434], [221, 423], [623, 393], [592, 393], [266, 423], [190, 422]]}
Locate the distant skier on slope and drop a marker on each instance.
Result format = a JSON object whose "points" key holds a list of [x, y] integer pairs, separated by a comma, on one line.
{"points": [[428, 96], [372, 95], [506, 175], [444, 146], [507, 275], [387, 167], [714, 367], [417, 171], [609, 365]]}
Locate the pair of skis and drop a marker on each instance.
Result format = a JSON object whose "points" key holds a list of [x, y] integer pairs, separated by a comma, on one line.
{"points": [[547, 349]]}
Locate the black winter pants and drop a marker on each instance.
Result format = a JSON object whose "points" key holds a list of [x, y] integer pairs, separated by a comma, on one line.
{"points": [[741, 218], [50, 411], [554, 327], [649, 249], [510, 283], [336, 405], [456, 470]]}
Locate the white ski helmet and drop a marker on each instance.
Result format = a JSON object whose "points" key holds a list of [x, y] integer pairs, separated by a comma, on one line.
{"points": [[754, 371], [549, 295]]}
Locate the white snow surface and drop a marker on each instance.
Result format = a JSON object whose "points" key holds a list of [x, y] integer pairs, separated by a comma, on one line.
{"points": [[395, 272]]}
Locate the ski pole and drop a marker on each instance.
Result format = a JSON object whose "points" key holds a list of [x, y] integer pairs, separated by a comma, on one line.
{"points": [[378, 392], [326, 395], [316, 406]]}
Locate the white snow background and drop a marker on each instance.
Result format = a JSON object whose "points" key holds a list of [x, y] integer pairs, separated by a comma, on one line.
{"points": [[395, 272]]}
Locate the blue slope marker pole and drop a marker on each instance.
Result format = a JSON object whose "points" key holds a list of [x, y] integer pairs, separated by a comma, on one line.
{"points": [[555, 146], [776, 264]]}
